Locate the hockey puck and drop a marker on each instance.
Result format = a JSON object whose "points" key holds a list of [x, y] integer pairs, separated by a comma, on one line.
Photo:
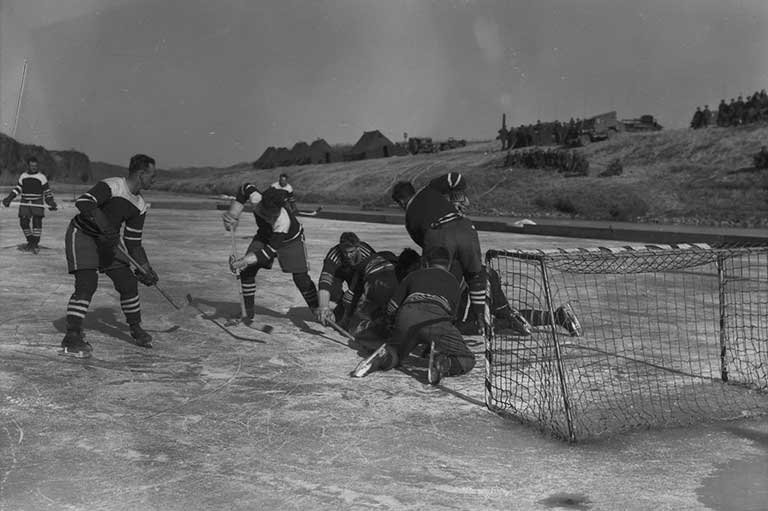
{"points": [[267, 329]]}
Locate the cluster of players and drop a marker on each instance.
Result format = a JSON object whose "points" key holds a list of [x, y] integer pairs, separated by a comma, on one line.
{"points": [[395, 302]]}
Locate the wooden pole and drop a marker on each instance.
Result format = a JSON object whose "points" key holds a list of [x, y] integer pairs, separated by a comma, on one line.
{"points": [[21, 95]]}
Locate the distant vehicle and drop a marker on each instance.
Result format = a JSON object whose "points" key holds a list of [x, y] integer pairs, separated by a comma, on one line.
{"points": [[452, 143], [594, 129], [644, 123], [417, 145]]}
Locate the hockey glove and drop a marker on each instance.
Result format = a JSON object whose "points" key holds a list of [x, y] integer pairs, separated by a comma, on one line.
{"points": [[53, 206], [238, 264], [230, 221], [479, 310], [7, 201], [146, 275], [323, 315]]}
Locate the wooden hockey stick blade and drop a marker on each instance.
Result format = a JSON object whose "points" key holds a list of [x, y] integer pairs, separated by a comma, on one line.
{"points": [[310, 213], [267, 329], [213, 320], [343, 332]]}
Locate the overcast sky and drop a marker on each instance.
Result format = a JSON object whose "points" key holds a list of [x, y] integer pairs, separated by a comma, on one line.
{"points": [[198, 82]]}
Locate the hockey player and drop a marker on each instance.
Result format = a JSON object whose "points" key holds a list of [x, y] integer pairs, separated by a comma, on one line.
{"points": [[432, 220], [372, 287], [453, 187], [340, 265], [424, 307], [290, 199], [34, 190], [279, 235], [91, 245]]}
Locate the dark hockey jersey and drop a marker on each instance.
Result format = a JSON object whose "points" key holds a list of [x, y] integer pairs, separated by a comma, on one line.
{"points": [[34, 189], [280, 232], [121, 207], [337, 269], [248, 193], [428, 285], [425, 210]]}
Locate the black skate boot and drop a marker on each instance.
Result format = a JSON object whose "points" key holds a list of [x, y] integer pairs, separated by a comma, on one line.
{"points": [[439, 366], [140, 336], [74, 345]]}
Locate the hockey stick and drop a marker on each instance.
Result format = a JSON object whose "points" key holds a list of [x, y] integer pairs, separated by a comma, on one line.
{"points": [[310, 213], [243, 313], [138, 267], [265, 329], [340, 330]]}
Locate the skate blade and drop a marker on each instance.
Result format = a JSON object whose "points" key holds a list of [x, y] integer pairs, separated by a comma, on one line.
{"points": [[74, 354]]}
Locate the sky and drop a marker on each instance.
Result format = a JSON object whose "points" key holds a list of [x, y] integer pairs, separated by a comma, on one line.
{"points": [[202, 83]]}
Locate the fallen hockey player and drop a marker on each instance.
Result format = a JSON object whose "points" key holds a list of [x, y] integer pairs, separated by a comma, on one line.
{"points": [[424, 307]]}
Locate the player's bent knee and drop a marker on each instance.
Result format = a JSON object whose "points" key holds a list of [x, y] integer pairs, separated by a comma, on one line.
{"points": [[86, 282]]}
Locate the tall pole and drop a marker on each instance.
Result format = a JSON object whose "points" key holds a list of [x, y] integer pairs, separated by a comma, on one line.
{"points": [[21, 95]]}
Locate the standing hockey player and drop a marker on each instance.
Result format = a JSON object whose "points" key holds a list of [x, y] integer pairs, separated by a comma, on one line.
{"points": [[91, 245], [341, 264], [279, 235], [35, 194], [424, 307], [453, 187], [290, 199], [432, 221]]}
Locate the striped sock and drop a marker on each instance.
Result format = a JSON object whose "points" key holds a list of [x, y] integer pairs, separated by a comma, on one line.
{"points": [[249, 294], [76, 311], [132, 309]]}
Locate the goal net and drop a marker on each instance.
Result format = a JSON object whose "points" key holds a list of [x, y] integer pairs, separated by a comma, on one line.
{"points": [[669, 335]]}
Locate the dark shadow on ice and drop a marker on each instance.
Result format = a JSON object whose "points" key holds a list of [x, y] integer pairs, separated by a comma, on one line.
{"points": [[109, 321], [303, 319], [229, 310]]}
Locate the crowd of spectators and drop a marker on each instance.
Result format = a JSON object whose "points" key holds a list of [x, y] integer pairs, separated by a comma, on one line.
{"points": [[735, 113]]}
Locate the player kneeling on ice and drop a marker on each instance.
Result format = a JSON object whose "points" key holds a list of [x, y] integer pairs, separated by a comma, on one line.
{"points": [[372, 288], [424, 307], [279, 235], [91, 245], [342, 262]]}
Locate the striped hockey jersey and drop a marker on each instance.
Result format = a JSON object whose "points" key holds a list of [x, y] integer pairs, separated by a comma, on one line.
{"points": [[122, 208], [34, 190]]}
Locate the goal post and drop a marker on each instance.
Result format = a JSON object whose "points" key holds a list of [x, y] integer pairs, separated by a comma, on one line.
{"points": [[669, 335]]}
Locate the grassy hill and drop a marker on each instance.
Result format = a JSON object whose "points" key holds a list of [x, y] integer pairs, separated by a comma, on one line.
{"points": [[672, 176]]}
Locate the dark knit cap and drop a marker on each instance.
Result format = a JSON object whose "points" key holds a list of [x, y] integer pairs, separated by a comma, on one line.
{"points": [[272, 200], [349, 240]]}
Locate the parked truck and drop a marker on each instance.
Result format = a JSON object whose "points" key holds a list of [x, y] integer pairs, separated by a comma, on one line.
{"points": [[595, 129]]}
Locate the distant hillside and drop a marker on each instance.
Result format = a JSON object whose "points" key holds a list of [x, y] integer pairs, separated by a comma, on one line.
{"points": [[63, 166], [673, 176]]}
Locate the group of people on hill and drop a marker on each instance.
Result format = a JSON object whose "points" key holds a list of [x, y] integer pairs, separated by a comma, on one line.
{"points": [[735, 113], [401, 302], [549, 133]]}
